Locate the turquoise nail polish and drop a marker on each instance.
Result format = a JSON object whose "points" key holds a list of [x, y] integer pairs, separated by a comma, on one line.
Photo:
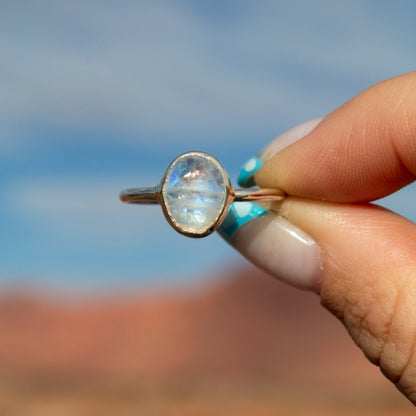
{"points": [[239, 213], [246, 176]]}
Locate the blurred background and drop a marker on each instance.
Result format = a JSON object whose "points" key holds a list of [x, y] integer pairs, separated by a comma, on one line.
{"points": [[103, 307]]}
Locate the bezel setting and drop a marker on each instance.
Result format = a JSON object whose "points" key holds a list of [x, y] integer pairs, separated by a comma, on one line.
{"points": [[163, 189]]}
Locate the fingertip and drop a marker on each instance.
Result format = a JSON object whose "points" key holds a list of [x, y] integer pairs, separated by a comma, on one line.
{"points": [[362, 151], [252, 165]]}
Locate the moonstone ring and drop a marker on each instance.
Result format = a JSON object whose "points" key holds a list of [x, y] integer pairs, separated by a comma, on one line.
{"points": [[195, 193]]}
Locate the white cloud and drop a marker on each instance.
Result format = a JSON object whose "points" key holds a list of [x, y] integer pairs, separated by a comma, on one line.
{"points": [[77, 230], [89, 208], [162, 67], [172, 70]]}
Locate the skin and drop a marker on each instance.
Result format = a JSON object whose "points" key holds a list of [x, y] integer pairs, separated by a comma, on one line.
{"points": [[364, 150]]}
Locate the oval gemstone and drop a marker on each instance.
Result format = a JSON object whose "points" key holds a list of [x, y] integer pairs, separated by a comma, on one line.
{"points": [[195, 191]]}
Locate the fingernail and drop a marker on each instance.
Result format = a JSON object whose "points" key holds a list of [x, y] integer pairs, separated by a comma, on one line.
{"points": [[246, 175], [239, 213], [281, 249], [289, 137]]}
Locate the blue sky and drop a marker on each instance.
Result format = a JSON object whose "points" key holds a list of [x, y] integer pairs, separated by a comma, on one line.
{"points": [[96, 96]]}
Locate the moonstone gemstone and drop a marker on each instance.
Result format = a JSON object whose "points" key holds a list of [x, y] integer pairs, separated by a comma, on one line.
{"points": [[194, 193]]}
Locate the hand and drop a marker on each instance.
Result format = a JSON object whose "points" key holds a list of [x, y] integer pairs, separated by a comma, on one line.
{"points": [[328, 237]]}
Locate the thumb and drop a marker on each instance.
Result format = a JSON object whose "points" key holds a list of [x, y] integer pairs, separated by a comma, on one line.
{"points": [[368, 279]]}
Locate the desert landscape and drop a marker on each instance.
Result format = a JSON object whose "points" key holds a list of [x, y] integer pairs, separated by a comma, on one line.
{"points": [[238, 344]]}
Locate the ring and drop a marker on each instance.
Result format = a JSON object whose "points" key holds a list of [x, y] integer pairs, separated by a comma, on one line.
{"points": [[195, 193]]}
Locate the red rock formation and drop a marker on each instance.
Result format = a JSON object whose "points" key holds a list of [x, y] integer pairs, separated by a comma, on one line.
{"points": [[247, 325]]}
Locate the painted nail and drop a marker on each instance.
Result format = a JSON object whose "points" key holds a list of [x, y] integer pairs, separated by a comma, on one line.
{"points": [[239, 213], [246, 175], [281, 249], [267, 240], [288, 137]]}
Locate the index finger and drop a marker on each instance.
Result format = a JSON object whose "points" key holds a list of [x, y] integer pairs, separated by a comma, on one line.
{"points": [[364, 150]]}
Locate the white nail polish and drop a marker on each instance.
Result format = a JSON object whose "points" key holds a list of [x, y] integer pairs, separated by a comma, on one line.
{"points": [[289, 137], [278, 247]]}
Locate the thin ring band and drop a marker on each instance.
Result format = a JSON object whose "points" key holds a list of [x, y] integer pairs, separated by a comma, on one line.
{"points": [[150, 195], [140, 195], [195, 193]]}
